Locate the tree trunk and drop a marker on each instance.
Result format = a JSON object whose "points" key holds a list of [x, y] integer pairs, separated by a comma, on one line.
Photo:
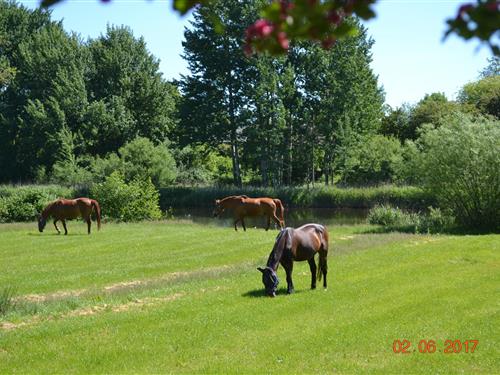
{"points": [[290, 155], [236, 159]]}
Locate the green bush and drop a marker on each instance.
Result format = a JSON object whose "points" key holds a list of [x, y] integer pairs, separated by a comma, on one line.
{"points": [[393, 218], [436, 221], [24, 203], [133, 201], [141, 159], [459, 164]]}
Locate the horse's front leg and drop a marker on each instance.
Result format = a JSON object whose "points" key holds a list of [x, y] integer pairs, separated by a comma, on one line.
{"points": [[58, 231], [89, 222], [236, 222], [243, 224], [312, 266], [288, 266], [64, 225], [268, 222]]}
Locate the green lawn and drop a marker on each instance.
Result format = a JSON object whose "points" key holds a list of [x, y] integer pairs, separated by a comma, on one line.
{"points": [[179, 297]]}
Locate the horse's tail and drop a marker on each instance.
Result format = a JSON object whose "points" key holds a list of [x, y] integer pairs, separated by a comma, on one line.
{"points": [[281, 209], [97, 208], [323, 254]]}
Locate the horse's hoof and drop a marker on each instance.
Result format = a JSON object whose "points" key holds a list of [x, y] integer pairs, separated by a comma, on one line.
{"points": [[313, 287], [290, 291]]}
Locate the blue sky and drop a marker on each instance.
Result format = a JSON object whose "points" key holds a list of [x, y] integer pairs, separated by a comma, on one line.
{"points": [[408, 56]]}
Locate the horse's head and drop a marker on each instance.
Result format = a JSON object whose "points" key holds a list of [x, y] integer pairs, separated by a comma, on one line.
{"points": [[41, 223], [270, 280], [218, 208]]}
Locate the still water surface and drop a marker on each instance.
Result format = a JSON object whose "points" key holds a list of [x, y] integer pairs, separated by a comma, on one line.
{"points": [[294, 217]]}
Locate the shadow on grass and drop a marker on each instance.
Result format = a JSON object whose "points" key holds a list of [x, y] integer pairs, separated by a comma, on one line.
{"points": [[260, 293], [56, 234]]}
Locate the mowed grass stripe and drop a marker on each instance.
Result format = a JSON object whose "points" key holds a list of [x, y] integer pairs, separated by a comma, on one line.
{"points": [[120, 253], [222, 325]]}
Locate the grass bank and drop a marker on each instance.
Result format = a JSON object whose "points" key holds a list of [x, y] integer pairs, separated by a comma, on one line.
{"points": [[317, 197], [180, 297]]}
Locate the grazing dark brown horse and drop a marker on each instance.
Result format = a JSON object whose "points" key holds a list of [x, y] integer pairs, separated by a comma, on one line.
{"points": [[63, 209], [297, 245], [242, 206]]}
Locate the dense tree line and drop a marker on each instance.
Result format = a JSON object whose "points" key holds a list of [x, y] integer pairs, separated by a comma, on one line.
{"points": [[62, 98], [74, 111]]}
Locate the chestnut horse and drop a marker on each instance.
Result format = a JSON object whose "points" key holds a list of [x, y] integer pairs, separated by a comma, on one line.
{"points": [[63, 209], [242, 206], [297, 245]]}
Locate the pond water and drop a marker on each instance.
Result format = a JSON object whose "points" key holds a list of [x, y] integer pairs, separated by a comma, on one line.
{"points": [[294, 217]]}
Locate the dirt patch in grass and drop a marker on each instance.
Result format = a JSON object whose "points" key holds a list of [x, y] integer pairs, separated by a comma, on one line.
{"points": [[126, 286], [96, 309]]}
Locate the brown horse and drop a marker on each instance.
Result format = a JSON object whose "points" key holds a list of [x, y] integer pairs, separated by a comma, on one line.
{"points": [[63, 209], [242, 206], [297, 245]]}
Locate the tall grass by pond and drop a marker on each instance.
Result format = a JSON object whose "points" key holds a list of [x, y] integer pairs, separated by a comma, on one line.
{"points": [[317, 197]]}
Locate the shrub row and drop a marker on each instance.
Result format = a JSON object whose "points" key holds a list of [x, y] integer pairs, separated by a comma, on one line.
{"points": [[24, 203], [138, 200], [119, 200], [318, 197]]}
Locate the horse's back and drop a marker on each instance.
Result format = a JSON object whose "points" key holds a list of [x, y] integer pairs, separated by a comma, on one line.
{"points": [[71, 208], [311, 236]]}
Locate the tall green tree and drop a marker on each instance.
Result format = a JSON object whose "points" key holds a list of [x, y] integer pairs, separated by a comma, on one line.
{"points": [[342, 97], [483, 95], [129, 97], [18, 24], [265, 138], [215, 105], [46, 97], [433, 109]]}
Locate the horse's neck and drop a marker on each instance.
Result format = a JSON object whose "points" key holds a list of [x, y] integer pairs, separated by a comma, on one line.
{"points": [[47, 211], [228, 202], [277, 252]]}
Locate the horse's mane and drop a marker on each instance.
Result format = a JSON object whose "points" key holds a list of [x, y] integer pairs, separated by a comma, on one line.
{"points": [[279, 246]]}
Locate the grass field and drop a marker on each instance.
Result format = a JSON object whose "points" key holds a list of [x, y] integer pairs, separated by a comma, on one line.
{"points": [[180, 297]]}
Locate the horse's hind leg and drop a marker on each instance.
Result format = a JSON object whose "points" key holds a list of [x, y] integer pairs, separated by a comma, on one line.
{"points": [[278, 221], [324, 266], [58, 231], [236, 222], [312, 266], [64, 225], [243, 224]]}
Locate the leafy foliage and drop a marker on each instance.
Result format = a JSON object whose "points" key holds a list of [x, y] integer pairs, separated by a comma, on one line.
{"points": [[24, 203], [395, 219], [483, 95], [459, 163], [373, 161], [142, 160], [133, 201]]}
